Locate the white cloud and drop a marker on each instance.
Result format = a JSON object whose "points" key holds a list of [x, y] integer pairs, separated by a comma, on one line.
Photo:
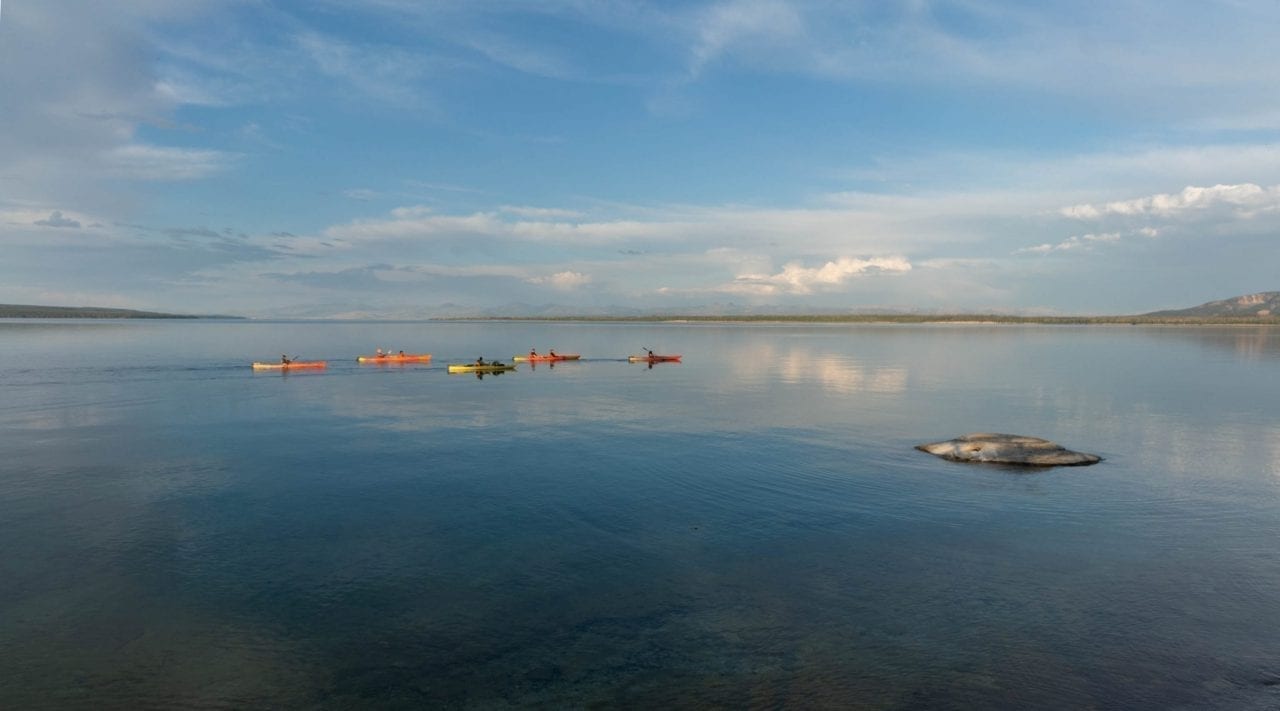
{"points": [[548, 213], [420, 221], [795, 278], [79, 85], [183, 88], [754, 238], [143, 162], [1074, 242], [586, 232], [563, 281], [411, 211], [1187, 60], [541, 62], [416, 222], [1244, 201], [1118, 53], [743, 24], [388, 74], [1217, 209]]}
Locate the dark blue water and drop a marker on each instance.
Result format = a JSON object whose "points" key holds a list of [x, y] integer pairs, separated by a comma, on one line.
{"points": [[749, 528]]}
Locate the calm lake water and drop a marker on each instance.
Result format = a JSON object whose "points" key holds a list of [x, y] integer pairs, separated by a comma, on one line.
{"points": [[750, 528]]}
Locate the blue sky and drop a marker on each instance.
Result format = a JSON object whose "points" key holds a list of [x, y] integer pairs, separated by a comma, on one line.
{"points": [[401, 159]]}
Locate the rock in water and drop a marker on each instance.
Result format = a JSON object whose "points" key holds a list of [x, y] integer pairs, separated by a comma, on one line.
{"points": [[996, 448]]}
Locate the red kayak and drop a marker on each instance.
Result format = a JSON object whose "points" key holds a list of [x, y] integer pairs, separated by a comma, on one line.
{"points": [[546, 358], [655, 358]]}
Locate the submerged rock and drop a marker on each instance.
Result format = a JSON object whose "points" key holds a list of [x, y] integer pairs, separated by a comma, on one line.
{"points": [[994, 448]]}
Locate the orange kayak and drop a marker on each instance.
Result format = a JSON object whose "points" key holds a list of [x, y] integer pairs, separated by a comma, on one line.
{"points": [[541, 358], [654, 358], [295, 365], [395, 358]]}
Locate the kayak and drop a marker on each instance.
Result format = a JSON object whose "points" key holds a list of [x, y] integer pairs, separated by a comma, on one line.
{"points": [[395, 358], [654, 359], [473, 368], [543, 358], [295, 365]]}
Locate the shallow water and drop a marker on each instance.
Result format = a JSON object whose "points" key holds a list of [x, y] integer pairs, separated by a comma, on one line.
{"points": [[750, 527]]}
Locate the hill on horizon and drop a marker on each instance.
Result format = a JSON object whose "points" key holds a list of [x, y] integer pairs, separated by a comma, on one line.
{"points": [[37, 311], [1265, 303]]}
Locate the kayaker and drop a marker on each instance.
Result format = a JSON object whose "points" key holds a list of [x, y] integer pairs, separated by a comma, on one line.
{"points": [[650, 352], [284, 359], [552, 352], [480, 360], [401, 354], [533, 353], [380, 353]]}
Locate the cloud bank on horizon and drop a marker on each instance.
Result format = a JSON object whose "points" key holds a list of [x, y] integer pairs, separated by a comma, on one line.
{"points": [[405, 159]]}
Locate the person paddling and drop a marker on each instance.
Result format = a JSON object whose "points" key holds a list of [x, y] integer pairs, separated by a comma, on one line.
{"points": [[284, 359], [552, 352], [533, 353]]}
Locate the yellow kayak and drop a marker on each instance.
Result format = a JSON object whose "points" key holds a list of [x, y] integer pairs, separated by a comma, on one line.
{"points": [[473, 368]]}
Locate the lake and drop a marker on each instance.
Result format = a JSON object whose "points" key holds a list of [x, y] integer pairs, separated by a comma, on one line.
{"points": [[748, 528]]}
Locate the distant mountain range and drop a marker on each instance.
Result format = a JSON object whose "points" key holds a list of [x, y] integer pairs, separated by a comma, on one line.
{"points": [[31, 311], [1263, 304]]}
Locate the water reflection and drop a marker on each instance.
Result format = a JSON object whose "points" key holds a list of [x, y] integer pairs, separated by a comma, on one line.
{"points": [[840, 374], [1252, 343], [552, 364], [480, 374], [750, 528], [649, 364]]}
